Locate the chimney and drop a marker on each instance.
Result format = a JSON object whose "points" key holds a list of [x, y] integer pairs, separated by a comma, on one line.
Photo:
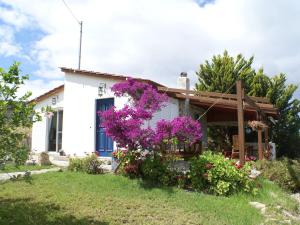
{"points": [[183, 82]]}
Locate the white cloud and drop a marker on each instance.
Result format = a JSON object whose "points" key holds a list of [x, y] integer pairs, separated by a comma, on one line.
{"points": [[8, 47], [14, 17], [159, 39]]}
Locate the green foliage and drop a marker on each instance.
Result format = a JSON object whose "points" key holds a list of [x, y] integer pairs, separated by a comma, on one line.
{"points": [[214, 174], [44, 159], [20, 156], [284, 172], [90, 164], [156, 171], [286, 131], [223, 71], [131, 164], [16, 113], [76, 165]]}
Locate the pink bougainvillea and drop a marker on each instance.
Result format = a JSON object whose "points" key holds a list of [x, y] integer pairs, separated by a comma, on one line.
{"points": [[182, 129], [144, 96], [127, 125]]}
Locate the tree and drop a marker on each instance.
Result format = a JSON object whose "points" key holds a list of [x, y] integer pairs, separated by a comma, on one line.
{"points": [[16, 114], [286, 130], [223, 71]]}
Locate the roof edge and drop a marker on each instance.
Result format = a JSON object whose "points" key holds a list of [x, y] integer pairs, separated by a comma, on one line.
{"points": [[48, 93], [107, 75]]}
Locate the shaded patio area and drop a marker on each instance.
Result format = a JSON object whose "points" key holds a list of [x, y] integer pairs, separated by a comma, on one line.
{"points": [[229, 110]]}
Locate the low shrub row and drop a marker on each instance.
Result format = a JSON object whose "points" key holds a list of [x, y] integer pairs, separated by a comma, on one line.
{"points": [[210, 173], [284, 172], [90, 164]]}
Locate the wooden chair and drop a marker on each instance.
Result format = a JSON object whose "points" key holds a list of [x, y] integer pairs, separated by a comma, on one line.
{"points": [[235, 147]]}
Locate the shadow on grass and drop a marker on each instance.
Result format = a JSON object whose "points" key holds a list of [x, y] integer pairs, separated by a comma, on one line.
{"points": [[295, 176], [148, 185], [26, 212]]}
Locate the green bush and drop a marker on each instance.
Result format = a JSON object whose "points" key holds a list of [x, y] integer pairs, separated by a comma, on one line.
{"points": [[90, 164], [44, 159], [158, 171], [284, 172], [214, 174], [153, 169], [21, 156]]}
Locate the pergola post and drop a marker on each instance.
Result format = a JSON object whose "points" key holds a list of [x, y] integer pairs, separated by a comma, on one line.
{"points": [[266, 137], [240, 111], [260, 146]]}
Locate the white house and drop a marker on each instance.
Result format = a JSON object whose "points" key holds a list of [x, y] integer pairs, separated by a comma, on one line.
{"points": [[74, 127]]}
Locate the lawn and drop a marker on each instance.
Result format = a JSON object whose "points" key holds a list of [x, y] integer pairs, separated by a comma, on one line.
{"points": [[76, 198], [12, 168]]}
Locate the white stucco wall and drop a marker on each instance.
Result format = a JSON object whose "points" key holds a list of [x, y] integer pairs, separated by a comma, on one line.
{"points": [[39, 129], [78, 101], [79, 124], [168, 112]]}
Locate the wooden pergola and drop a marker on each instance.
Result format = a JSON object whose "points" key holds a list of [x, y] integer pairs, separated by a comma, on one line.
{"points": [[222, 108]]}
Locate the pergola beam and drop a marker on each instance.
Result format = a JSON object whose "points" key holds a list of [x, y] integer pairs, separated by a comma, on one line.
{"points": [[214, 95], [250, 105]]}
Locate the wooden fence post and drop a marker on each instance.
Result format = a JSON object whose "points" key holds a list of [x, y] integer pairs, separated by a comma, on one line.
{"points": [[240, 112]]}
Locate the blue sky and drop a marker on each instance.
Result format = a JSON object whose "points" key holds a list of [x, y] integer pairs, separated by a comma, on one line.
{"points": [[24, 38], [151, 39]]}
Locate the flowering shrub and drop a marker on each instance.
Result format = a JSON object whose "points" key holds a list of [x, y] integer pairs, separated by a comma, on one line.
{"points": [[143, 95], [180, 129], [119, 154], [131, 163], [214, 174], [127, 126]]}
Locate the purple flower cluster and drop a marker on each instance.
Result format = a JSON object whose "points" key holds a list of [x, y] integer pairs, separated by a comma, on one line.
{"points": [[184, 129], [144, 95], [126, 126]]}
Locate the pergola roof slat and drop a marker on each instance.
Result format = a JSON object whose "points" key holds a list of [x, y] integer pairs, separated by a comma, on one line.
{"points": [[212, 94], [224, 103]]}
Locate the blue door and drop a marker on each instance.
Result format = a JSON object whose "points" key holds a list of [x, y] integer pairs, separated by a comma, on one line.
{"points": [[104, 144]]}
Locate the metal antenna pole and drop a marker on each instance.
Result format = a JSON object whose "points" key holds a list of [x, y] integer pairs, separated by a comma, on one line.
{"points": [[79, 62]]}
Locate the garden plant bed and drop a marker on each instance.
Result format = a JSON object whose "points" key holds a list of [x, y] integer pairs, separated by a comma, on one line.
{"points": [[78, 198]]}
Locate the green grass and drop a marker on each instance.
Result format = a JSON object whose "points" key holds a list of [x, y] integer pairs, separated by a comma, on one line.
{"points": [[75, 198], [12, 168]]}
